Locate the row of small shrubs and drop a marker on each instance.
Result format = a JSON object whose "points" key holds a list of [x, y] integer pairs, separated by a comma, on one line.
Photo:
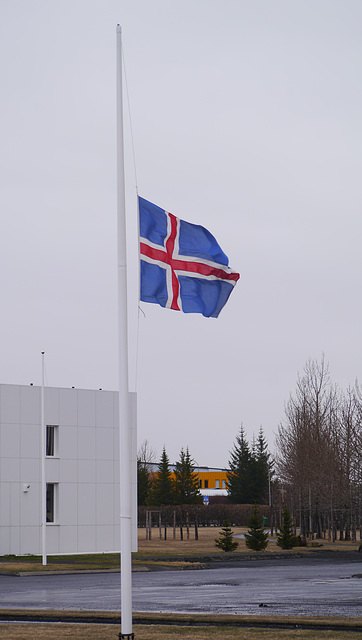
{"points": [[256, 537]]}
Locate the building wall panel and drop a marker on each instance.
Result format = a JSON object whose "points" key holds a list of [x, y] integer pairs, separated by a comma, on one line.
{"points": [[68, 407], [68, 538], [10, 404], [4, 540], [105, 539], [68, 472], [30, 471], [51, 405], [5, 502], [105, 409], [30, 437], [86, 503], [86, 408], [86, 443], [30, 405], [86, 539], [67, 505], [52, 539], [104, 471], [68, 442], [30, 510], [104, 503], [10, 440], [85, 469], [10, 470], [29, 539]]}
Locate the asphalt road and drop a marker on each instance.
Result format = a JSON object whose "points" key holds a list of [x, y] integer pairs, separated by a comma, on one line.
{"points": [[312, 586]]}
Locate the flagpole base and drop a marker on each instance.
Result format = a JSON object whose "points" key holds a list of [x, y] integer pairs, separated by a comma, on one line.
{"points": [[126, 636]]}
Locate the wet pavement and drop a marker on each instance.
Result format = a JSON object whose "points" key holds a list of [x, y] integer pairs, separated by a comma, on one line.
{"points": [[291, 587]]}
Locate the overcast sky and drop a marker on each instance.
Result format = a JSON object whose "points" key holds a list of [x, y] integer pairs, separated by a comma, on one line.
{"points": [[246, 118]]}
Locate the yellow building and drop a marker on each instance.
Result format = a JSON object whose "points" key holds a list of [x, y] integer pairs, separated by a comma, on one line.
{"points": [[212, 480]]}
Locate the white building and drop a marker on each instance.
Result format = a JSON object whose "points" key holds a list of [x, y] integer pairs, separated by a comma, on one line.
{"points": [[82, 470]]}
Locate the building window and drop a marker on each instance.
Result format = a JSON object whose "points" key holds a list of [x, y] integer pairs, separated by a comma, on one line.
{"points": [[206, 484], [51, 492], [51, 440], [223, 484], [199, 483], [217, 484]]}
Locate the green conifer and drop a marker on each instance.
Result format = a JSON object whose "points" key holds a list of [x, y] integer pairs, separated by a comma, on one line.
{"points": [[256, 538], [239, 470], [163, 491], [186, 481], [285, 536], [225, 541]]}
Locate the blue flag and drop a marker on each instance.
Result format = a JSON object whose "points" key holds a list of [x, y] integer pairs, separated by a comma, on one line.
{"points": [[182, 265]]}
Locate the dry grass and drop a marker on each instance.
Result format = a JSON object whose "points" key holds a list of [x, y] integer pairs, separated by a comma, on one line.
{"points": [[158, 627], [51, 631], [206, 543]]}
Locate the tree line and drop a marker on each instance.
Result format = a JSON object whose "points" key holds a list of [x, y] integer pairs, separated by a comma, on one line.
{"points": [[250, 470], [248, 476], [165, 487], [316, 470], [319, 455]]}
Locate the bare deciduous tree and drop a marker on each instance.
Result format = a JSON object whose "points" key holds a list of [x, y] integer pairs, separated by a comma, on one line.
{"points": [[319, 453]]}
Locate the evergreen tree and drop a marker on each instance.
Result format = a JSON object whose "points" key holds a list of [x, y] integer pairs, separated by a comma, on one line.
{"points": [[263, 469], [225, 541], [186, 481], [239, 475], [256, 538], [248, 476], [253, 494], [285, 536], [163, 486], [143, 483]]}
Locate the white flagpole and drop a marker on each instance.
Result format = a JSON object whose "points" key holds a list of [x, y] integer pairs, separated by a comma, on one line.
{"points": [[124, 424], [42, 457]]}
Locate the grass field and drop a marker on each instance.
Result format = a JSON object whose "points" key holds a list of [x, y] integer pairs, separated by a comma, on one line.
{"points": [[224, 626], [168, 552], [206, 543], [57, 631], [105, 632]]}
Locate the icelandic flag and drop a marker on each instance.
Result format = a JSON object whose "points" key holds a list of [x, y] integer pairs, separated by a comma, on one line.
{"points": [[182, 265]]}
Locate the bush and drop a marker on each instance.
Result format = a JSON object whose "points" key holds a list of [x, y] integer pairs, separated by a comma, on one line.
{"points": [[299, 541], [286, 538], [256, 538], [225, 541]]}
